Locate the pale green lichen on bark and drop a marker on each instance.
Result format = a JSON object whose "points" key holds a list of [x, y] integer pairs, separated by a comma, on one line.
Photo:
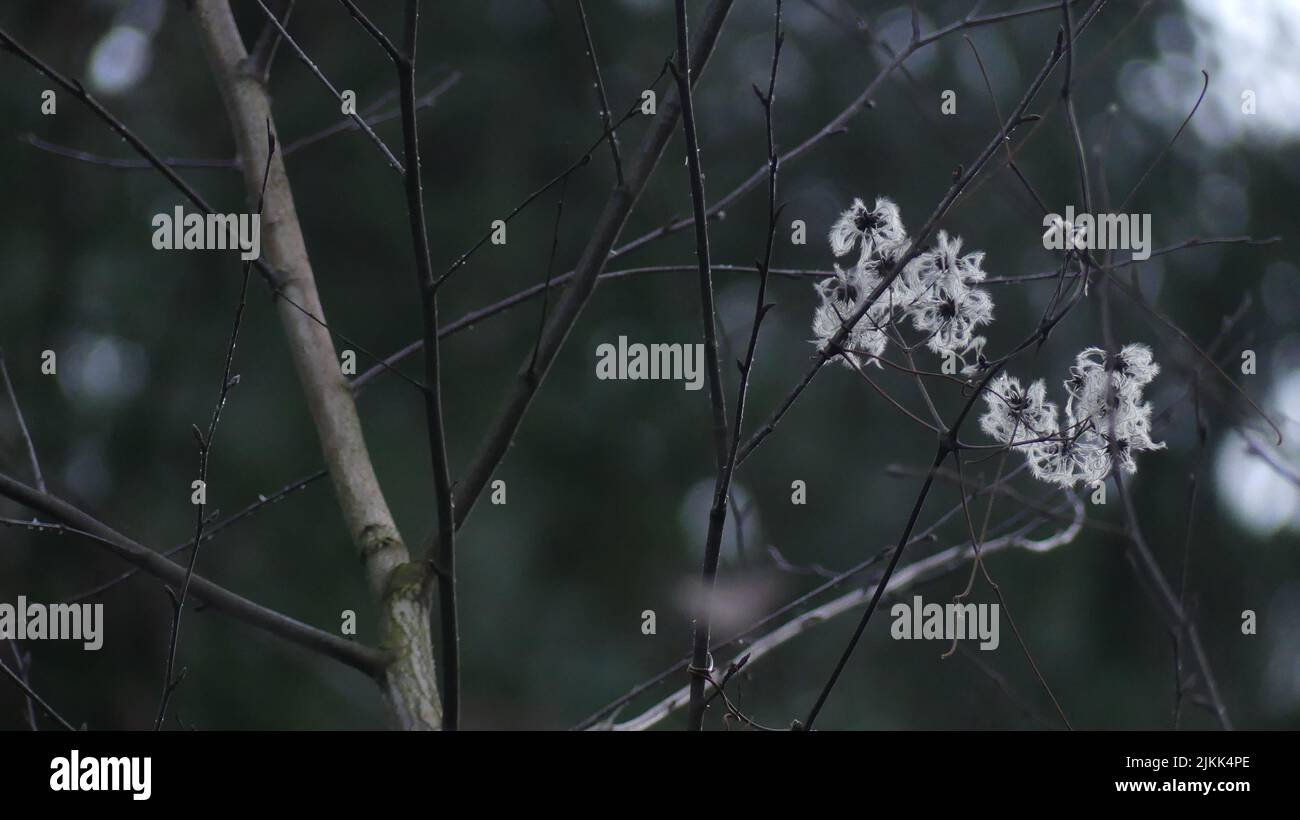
{"points": [[412, 690], [406, 581]]}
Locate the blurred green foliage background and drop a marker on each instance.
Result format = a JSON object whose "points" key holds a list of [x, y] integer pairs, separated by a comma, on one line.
{"points": [[608, 482]]}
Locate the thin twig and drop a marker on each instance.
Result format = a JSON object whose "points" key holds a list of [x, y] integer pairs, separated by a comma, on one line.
{"points": [[600, 92], [1185, 566], [1205, 87], [343, 126], [209, 532], [347, 124], [826, 689], [268, 42], [124, 164], [31, 694], [358, 656], [560, 178], [435, 422], [1145, 563], [379, 37], [311, 66], [24, 673], [727, 442], [717, 398], [206, 441], [976, 541], [22, 426], [550, 265]]}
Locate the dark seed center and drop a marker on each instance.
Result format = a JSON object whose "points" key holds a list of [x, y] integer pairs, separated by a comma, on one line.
{"points": [[846, 293], [867, 221]]}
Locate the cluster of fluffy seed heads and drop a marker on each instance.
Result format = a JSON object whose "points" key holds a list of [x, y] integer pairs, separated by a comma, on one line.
{"points": [[1106, 421], [937, 291]]}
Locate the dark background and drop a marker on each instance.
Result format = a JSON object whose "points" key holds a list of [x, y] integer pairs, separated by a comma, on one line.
{"points": [[609, 481]]}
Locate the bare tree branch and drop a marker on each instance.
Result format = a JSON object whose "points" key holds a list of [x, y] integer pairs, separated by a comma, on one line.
{"points": [[368, 660], [434, 420], [700, 666], [209, 532], [395, 582], [920, 570]]}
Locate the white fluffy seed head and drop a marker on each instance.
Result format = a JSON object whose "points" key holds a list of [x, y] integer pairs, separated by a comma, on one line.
{"points": [[876, 232], [1107, 423]]}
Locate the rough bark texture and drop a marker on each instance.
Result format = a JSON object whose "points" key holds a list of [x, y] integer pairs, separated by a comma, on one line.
{"points": [[409, 682]]}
